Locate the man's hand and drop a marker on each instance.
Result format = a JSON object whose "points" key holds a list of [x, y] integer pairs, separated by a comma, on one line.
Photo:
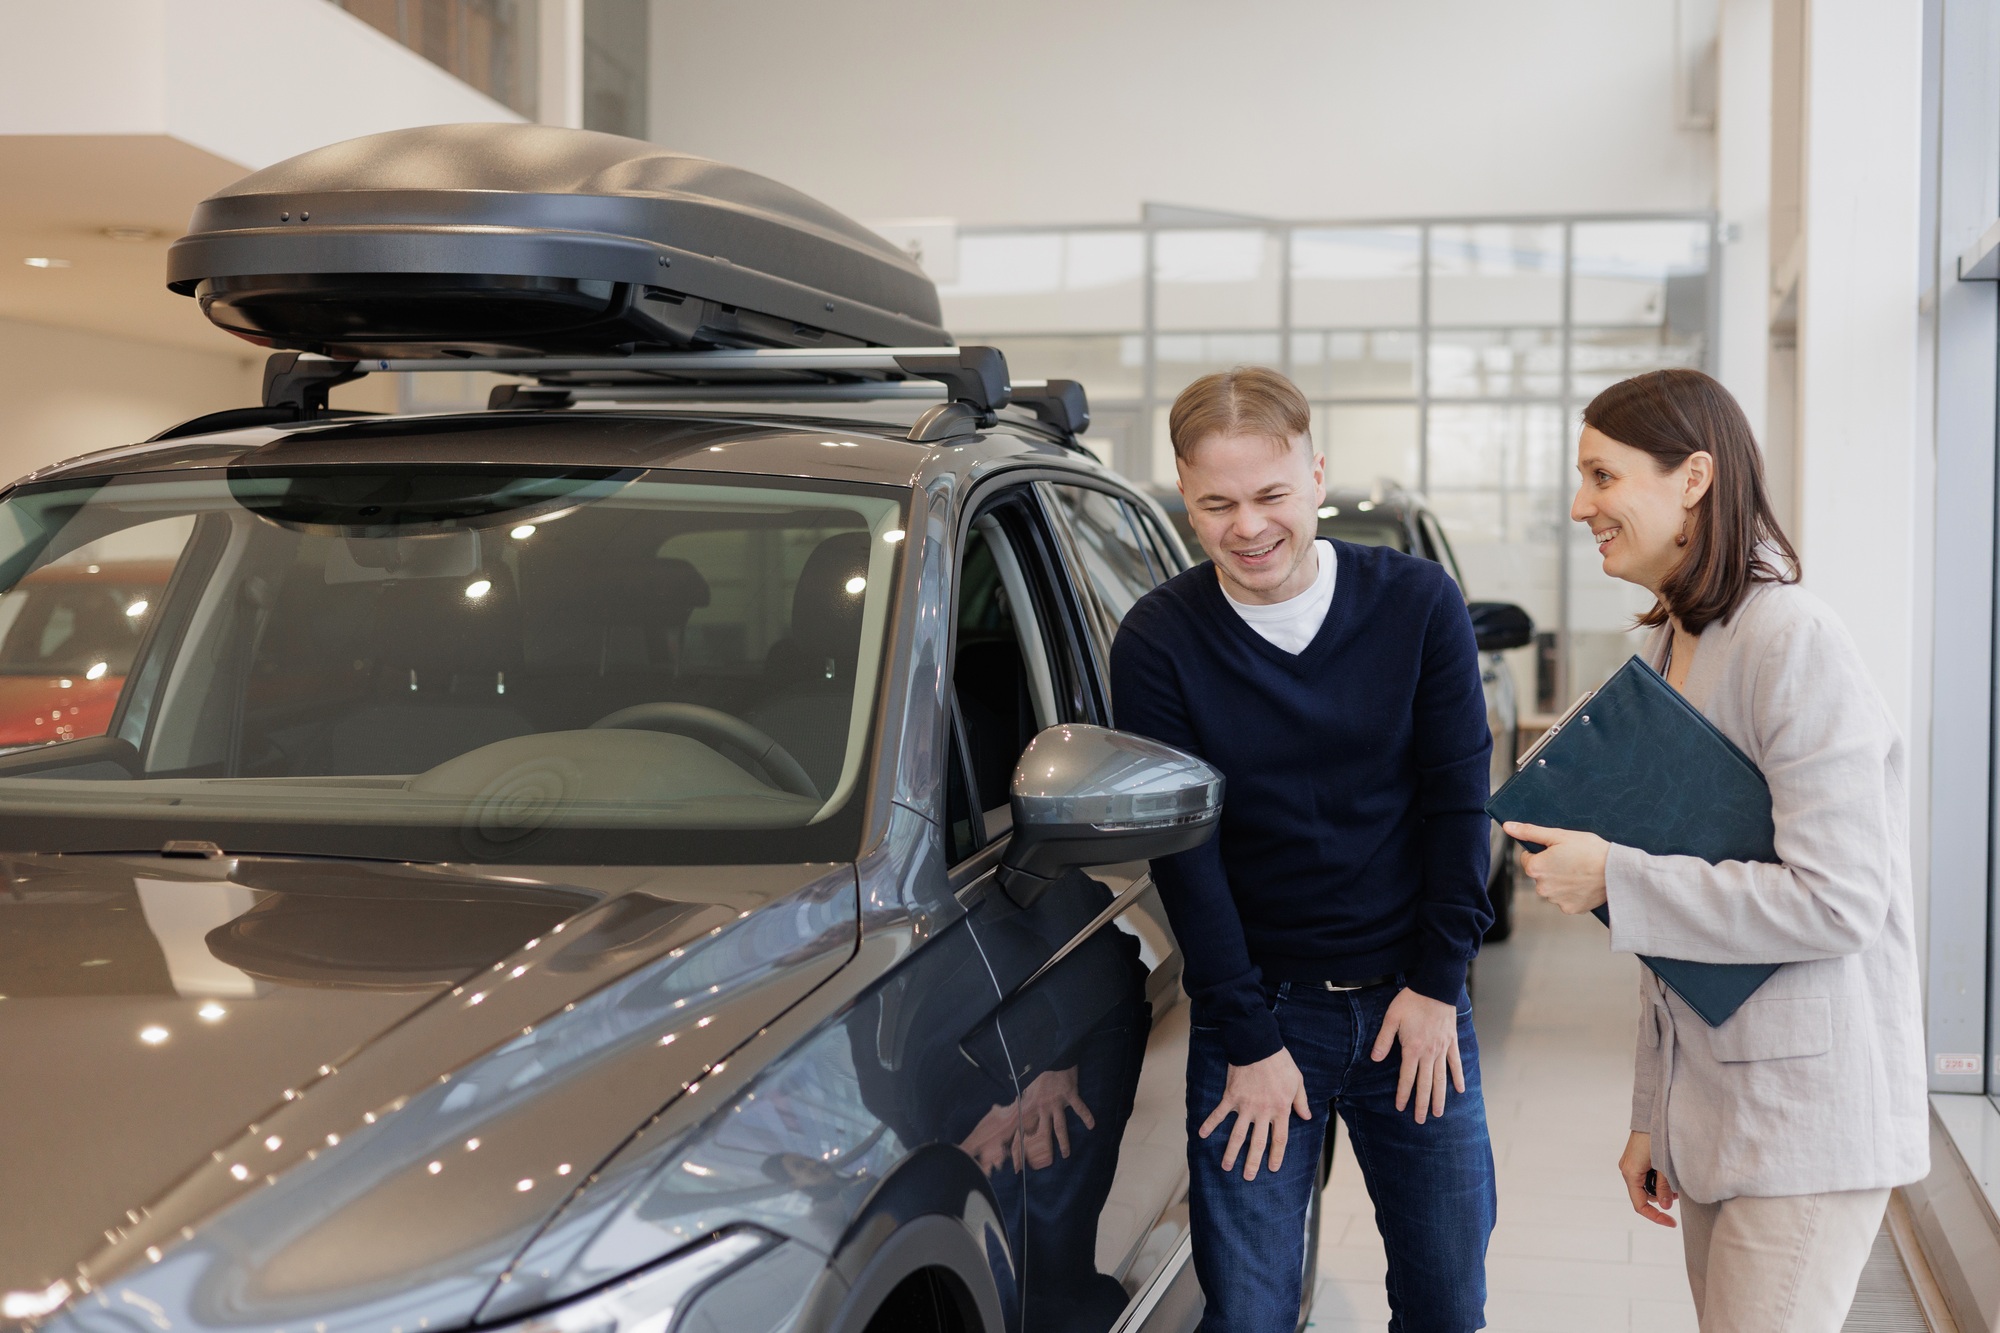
{"points": [[1045, 1108], [1633, 1165], [995, 1141], [1569, 871], [1428, 1030], [1263, 1096]]}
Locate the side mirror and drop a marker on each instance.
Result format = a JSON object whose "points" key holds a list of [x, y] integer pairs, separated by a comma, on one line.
{"points": [[1090, 796], [1498, 626]]}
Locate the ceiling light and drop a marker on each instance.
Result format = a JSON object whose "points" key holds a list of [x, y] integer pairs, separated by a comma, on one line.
{"points": [[153, 1036], [42, 261], [522, 533], [137, 608], [30, 1304], [1365, 506], [211, 1012], [130, 233], [856, 584], [97, 670], [1328, 511], [478, 588]]}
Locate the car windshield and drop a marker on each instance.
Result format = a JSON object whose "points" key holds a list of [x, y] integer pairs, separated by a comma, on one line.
{"points": [[442, 664]]}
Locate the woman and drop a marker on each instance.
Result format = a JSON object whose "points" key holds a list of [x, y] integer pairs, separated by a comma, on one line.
{"points": [[1782, 1131]]}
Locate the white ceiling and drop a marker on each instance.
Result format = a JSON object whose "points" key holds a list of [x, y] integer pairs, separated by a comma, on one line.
{"points": [[61, 192]]}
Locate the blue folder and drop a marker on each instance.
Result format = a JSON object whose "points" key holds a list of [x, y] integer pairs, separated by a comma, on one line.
{"points": [[1637, 765]]}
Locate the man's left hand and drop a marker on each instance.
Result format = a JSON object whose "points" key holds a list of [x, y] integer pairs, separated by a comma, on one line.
{"points": [[1569, 870], [1428, 1031]]}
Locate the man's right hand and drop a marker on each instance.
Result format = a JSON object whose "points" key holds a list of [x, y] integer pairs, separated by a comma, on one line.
{"points": [[1263, 1098]]}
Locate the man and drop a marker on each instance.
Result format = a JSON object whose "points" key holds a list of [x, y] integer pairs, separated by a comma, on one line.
{"points": [[1328, 926]]}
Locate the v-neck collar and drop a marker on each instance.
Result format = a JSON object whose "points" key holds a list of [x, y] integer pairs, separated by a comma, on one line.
{"points": [[1300, 662]]}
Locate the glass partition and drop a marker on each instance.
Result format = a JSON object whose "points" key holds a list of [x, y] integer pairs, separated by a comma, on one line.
{"points": [[1448, 357]]}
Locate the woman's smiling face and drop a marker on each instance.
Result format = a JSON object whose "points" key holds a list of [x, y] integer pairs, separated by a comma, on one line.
{"points": [[1634, 509]]}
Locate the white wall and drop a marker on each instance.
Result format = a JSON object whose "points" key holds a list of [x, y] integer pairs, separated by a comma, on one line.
{"points": [[1039, 110], [65, 392], [1859, 465], [253, 81]]}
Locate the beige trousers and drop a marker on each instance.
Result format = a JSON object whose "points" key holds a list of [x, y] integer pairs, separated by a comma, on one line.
{"points": [[1784, 1265]]}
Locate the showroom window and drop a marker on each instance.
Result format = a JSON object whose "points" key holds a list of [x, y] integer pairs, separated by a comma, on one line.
{"points": [[1449, 357]]}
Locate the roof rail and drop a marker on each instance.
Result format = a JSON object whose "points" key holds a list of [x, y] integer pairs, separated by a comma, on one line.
{"points": [[973, 381]]}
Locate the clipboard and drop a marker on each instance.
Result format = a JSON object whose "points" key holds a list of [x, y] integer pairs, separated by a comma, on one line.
{"points": [[1635, 763]]}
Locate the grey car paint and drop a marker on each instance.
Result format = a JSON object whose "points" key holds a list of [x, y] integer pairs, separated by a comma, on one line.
{"points": [[344, 1223]]}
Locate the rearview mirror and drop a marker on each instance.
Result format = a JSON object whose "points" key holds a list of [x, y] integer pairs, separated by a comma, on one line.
{"points": [[1090, 796], [1498, 626]]}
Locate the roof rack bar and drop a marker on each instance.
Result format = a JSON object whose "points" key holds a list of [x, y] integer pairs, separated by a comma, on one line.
{"points": [[763, 393], [761, 358]]}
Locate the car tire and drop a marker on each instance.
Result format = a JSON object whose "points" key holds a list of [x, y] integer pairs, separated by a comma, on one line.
{"points": [[1500, 891]]}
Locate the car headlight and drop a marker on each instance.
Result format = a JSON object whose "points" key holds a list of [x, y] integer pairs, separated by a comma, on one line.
{"points": [[650, 1301]]}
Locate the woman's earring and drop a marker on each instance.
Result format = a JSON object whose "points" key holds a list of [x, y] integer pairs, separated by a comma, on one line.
{"points": [[1681, 537]]}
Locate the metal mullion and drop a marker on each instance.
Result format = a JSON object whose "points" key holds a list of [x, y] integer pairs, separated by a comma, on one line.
{"points": [[1285, 301], [1567, 399], [1424, 359], [1148, 376]]}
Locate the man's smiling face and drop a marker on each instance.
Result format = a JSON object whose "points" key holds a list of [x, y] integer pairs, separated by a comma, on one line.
{"points": [[1253, 502]]}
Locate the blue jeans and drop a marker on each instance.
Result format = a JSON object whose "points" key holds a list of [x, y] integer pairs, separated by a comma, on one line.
{"points": [[1432, 1184]]}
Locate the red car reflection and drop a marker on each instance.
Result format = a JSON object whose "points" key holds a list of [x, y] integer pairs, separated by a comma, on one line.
{"points": [[68, 634]]}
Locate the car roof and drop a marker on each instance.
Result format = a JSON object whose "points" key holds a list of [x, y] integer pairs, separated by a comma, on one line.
{"points": [[827, 447]]}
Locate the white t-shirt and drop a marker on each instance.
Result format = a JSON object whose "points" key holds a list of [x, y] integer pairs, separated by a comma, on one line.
{"points": [[1292, 623]]}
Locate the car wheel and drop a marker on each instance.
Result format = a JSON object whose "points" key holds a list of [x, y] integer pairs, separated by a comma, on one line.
{"points": [[1501, 892]]}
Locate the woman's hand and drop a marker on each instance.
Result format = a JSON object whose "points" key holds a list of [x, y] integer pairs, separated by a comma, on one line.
{"points": [[1633, 1165], [1569, 871]]}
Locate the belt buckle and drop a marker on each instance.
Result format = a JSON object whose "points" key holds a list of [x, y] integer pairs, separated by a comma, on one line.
{"points": [[1336, 986]]}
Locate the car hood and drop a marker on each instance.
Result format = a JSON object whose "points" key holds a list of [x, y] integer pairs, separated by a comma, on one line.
{"points": [[242, 1091]]}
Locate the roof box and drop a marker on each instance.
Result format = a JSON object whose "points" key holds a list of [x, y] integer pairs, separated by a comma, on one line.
{"points": [[505, 239]]}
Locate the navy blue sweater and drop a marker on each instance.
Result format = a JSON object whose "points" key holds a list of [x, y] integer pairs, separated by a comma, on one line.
{"points": [[1354, 835]]}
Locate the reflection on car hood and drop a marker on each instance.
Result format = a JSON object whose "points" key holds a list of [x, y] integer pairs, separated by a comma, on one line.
{"points": [[248, 1090]]}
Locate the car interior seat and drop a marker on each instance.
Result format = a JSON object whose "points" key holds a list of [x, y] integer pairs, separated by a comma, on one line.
{"points": [[812, 667], [443, 661]]}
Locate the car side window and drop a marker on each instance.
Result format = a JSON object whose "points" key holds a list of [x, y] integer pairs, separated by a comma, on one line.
{"points": [[1012, 672], [1441, 549], [1106, 540]]}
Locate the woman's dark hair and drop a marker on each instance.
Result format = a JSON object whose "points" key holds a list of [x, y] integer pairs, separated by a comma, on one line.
{"points": [[1670, 414]]}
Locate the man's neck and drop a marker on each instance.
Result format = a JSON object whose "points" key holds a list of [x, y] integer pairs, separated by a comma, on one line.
{"points": [[1299, 581]]}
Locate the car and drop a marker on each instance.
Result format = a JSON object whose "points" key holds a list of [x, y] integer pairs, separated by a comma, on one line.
{"points": [[1388, 515], [67, 634], [655, 854]]}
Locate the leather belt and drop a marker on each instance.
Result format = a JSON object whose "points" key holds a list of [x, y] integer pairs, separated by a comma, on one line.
{"points": [[1362, 984]]}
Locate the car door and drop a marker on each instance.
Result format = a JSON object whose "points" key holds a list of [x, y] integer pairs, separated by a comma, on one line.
{"points": [[1103, 1022], [1091, 1026]]}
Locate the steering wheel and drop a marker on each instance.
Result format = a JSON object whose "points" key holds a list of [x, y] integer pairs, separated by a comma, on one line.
{"points": [[775, 766]]}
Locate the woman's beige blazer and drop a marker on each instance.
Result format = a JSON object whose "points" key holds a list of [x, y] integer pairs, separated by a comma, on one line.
{"points": [[1817, 1082]]}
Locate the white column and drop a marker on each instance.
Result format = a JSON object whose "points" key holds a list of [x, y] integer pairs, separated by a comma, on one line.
{"points": [[1857, 327], [559, 98], [1743, 203]]}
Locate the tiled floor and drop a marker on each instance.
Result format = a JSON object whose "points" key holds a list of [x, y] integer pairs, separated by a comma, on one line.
{"points": [[1555, 1010]]}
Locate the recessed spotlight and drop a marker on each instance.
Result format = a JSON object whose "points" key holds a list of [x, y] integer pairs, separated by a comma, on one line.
{"points": [[153, 1036], [211, 1012], [43, 261]]}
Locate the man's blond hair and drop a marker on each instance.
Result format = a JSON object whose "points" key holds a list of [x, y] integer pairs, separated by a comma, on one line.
{"points": [[1244, 400]]}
